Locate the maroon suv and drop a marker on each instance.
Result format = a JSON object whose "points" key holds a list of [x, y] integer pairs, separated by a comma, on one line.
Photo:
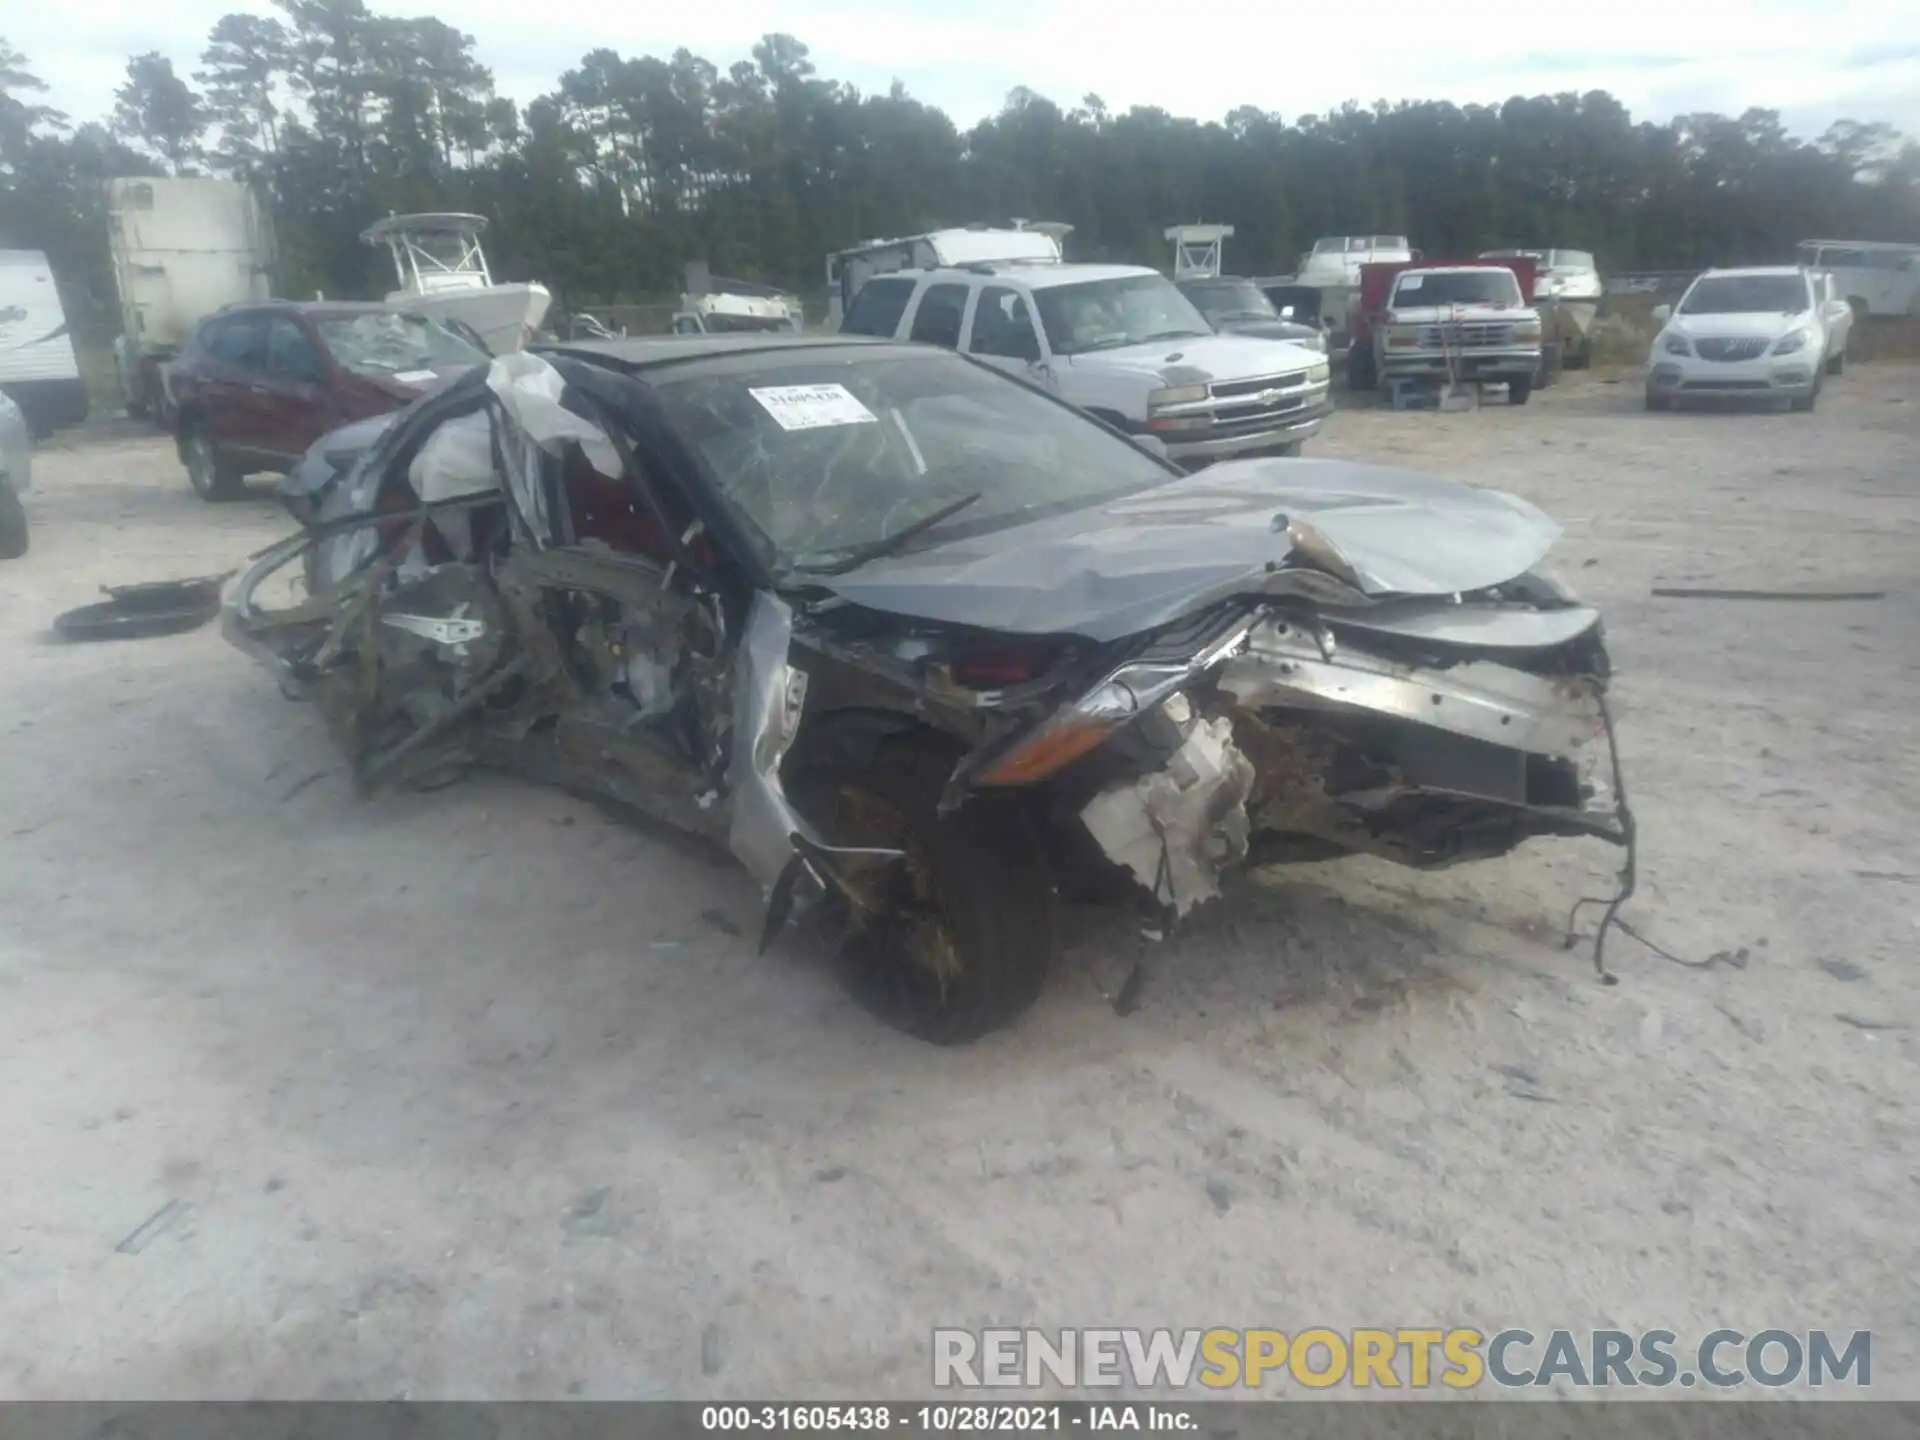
{"points": [[258, 384]]}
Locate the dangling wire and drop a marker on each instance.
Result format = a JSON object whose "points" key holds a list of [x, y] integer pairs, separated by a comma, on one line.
{"points": [[1629, 873]]}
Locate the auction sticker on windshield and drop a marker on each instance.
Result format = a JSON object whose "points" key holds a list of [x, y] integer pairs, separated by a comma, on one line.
{"points": [[811, 407]]}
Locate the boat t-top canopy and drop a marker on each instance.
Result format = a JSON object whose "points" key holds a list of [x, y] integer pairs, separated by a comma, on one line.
{"points": [[434, 252], [383, 232], [1196, 250]]}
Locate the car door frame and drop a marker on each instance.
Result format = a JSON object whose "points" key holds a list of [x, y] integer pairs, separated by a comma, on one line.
{"points": [[1037, 371], [229, 391], [292, 410]]}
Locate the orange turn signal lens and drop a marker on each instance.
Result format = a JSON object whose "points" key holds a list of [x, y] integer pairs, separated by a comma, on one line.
{"points": [[1054, 748]]}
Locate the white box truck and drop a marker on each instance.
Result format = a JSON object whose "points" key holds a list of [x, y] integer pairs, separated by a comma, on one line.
{"points": [[182, 249], [38, 369]]}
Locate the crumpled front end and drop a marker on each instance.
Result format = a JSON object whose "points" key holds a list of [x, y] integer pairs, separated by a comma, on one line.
{"points": [[1426, 731]]}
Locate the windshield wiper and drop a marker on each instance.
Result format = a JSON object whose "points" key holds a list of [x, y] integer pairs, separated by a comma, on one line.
{"points": [[858, 555], [1173, 335]]}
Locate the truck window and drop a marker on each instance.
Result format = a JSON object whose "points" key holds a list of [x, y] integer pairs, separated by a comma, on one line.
{"points": [[937, 321], [1003, 325], [877, 309]]}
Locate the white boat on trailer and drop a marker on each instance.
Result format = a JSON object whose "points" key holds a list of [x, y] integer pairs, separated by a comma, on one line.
{"points": [[442, 272]]}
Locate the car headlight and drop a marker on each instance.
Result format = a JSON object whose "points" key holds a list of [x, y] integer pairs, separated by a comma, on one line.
{"points": [[1676, 345], [1792, 341], [1176, 395], [1319, 373], [1527, 330]]}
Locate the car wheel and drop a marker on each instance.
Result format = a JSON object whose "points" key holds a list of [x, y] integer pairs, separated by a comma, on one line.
{"points": [[1659, 402], [212, 477], [959, 942], [1838, 364], [1518, 390], [13, 523]]}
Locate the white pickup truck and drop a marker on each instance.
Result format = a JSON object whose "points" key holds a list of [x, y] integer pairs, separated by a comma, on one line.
{"points": [[1461, 322], [1118, 341]]}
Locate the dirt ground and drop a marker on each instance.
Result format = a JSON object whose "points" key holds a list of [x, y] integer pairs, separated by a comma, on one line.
{"points": [[480, 1093]]}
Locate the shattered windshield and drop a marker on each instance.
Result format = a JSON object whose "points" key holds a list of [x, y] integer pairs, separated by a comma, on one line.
{"points": [[1746, 295], [828, 454], [1106, 314], [388, 343], [1223, 300], [1457, 287]]}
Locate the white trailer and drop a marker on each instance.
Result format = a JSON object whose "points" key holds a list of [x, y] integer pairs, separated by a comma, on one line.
{"points": [[182, 249], [1035, 241], [38, 369]]}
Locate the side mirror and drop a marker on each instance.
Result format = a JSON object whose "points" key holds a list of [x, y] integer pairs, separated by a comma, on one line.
{"points": [[1663, 313]]}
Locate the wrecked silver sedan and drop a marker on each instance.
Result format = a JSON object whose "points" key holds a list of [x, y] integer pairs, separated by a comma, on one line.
{"points": [[927, 648]]}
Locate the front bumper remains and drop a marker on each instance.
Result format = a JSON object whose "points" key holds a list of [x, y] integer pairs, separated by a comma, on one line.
{"points": [[1329, 747]]}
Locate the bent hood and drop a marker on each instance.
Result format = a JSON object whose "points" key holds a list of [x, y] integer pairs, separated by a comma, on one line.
{"points": [[1144, 560], [1196, 359]]}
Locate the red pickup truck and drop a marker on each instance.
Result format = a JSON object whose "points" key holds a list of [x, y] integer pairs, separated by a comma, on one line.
{"points": [[1482, 334]]}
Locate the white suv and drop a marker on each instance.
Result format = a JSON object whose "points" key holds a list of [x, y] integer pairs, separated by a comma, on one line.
{"points": [[1118, 341], [1765, 332]]}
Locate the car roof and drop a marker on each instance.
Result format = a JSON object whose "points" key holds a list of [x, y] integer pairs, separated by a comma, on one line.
{"points": [[643, 352]]}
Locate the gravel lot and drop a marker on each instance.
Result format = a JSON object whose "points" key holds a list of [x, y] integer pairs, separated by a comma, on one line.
{"points": [[478, 1093]]}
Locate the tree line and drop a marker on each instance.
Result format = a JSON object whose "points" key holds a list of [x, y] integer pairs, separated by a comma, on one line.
{"points": [[632, 166]]}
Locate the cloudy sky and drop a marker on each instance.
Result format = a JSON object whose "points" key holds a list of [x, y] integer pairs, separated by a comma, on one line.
{"points": [[1814, 60]]}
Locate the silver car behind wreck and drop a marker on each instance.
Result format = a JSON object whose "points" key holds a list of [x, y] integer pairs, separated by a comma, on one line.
{"points": [[927, 648]]}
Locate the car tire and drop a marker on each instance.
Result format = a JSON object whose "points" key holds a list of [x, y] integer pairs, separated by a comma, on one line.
{"points": [[1838, 364], [13, 523], [1519, 390], [213, 478], [1659, 402], [1805, 402], [968, 947], [1289, 451]]}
